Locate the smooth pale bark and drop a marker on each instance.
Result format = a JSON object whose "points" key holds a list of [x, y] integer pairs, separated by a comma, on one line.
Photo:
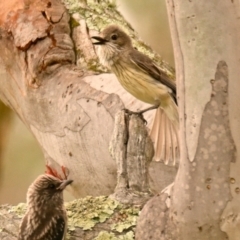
{"points": [[206, 37], [204, 201]]}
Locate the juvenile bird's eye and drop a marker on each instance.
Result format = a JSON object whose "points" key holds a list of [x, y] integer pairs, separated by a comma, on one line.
{"points": [[114, 37], [51, 186]]}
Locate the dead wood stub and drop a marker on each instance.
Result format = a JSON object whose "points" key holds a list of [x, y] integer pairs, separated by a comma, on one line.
{"points": [[132, 149]]}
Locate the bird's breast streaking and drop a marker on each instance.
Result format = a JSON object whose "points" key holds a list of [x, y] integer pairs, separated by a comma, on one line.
{"points": [[141, 85]]}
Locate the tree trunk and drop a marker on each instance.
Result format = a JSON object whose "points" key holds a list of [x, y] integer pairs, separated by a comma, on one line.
{"points": [[50, 78], [202, 203]]}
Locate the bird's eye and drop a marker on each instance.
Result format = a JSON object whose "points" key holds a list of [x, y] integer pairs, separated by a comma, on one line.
{"points": [[51, 186], [114, 37]]}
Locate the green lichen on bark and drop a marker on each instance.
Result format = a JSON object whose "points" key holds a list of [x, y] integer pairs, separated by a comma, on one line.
{"points": [[110, 236], [102, 211], [86, 213], [91, 217]]}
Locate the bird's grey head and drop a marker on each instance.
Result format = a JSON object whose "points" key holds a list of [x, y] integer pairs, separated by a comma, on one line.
{"points": [[111, 43], [45, 190]]}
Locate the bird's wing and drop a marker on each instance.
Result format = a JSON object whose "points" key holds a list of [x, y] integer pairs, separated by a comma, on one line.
{"points": [[59, 229], [146, 64], [22, 230]]}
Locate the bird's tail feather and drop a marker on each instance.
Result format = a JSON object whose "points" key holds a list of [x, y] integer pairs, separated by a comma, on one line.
{"points": [[164, 134]]}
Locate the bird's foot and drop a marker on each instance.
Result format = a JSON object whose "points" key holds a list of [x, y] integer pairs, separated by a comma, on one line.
{"points": [[139, 113]]}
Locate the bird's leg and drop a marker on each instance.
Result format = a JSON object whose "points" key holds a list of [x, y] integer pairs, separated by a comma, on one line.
{"points": [[148, 109], [140, 113]]}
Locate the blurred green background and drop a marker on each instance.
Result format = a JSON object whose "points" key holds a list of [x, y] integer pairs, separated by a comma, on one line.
{"points": [[21, 159]]}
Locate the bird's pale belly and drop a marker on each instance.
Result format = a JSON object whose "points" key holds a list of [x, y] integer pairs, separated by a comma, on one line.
{"points": [[143, 86]]}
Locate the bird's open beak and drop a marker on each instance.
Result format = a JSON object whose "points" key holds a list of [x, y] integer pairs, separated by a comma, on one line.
{"points": [[101, 41], [64, 184]]}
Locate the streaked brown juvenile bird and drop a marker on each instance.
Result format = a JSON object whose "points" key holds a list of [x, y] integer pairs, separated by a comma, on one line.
{"points": [[46, 217], [140, 76]]}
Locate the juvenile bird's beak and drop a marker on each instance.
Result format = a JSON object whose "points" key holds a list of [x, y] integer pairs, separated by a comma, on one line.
{"points": [[101, 41], [64, 184]]}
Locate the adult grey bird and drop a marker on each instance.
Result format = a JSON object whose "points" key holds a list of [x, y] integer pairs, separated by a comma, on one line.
{"points": [[142, 78]]}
